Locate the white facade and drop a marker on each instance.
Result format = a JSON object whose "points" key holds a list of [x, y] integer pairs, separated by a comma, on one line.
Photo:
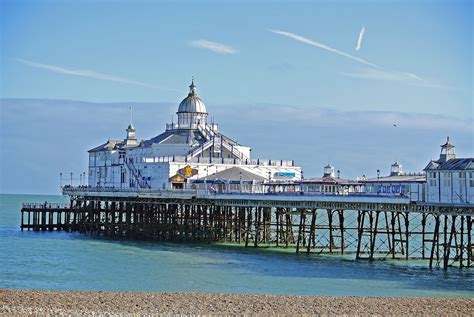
{"points": [[330, 184], [410, 185], [450, 179], [188, 150]]}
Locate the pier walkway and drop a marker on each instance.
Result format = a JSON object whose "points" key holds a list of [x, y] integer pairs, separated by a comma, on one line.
{"points": [[365, 226]]}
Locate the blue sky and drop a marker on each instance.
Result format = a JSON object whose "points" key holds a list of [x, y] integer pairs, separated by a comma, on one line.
{"points": [[289, 64]]}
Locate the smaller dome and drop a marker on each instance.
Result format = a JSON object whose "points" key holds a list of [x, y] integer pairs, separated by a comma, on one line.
{"points": [[192, 103]]}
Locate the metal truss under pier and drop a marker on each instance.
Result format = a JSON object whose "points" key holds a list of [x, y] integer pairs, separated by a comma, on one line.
{"points": [[366, 227]]}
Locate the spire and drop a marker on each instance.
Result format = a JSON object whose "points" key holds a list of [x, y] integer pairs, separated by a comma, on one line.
{"points": [[130, 126], [131, 139], [192, 87]]}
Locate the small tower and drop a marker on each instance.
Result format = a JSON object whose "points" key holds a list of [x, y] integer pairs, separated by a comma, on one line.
{"points": [[396, 169], [131, 139], [329, 171], [447, 151]]}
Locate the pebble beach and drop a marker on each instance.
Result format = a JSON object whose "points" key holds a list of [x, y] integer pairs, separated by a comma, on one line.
{"points": [[86, 303]]}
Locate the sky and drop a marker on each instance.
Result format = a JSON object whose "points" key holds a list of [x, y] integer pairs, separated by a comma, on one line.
{"points": [[318, 82]]}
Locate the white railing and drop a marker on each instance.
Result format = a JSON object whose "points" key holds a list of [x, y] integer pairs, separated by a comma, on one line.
{"points": [[198, 149], [218, 160], [46, 205], [136, 174], [88, 189], [233, 150], [215, 191]]}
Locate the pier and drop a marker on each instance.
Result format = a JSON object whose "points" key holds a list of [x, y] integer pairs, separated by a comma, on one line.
{"points": [[362, 226]]}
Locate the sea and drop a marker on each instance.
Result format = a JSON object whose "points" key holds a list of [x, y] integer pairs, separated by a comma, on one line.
{"points": [[70, 261]]}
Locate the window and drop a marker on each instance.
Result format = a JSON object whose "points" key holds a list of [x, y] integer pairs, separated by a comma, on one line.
{"points": [[432, 182], [447, 178], [462, 174], [433, 175], [471, 183]]}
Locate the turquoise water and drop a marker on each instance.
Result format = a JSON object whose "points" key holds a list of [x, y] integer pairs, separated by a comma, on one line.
{"points": [[70, 261]]}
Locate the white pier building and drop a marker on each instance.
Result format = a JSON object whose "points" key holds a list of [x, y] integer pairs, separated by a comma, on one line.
{"points": [[397, 183], [189, 150], [450, 179]]}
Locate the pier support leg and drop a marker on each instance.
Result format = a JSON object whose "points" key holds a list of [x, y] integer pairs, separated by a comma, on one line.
{"points": [[312, 230], [374, 233], [360, 231], [423, 232], [300, 230], [341, 228], [435, 240], [469, 242], [331, 239]]}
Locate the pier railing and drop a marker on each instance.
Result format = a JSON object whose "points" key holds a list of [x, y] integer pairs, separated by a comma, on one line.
{"points": [[45, 205], [69, 190]]}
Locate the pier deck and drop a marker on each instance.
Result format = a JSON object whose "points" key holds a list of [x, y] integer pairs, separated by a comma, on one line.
{"points": [[370, 227]]}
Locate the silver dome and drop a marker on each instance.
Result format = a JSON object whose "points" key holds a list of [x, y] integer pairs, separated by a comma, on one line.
{"points": [[192, 103]]}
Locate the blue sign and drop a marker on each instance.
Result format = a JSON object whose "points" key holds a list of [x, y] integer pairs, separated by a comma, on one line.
{"points": [[285, 174]]}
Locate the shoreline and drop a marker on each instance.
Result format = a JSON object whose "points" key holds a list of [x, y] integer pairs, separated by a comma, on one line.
{"points": [[34, 302]]}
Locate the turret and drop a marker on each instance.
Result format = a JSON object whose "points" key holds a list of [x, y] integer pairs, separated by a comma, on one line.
{"points": [[396, 169], [447, 152], [329, 171]]}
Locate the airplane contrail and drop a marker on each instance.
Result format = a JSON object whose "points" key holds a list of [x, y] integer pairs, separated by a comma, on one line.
{"points": [[361, 36], [89, 74], [305, 40]]}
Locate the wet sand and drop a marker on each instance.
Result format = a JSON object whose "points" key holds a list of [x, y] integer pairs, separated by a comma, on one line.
{"points": [[26, 302]]}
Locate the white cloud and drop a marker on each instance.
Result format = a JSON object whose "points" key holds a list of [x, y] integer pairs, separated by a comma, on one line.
{"points": [[319, 117], [215, 47], [403, 77], [370, 73], [90, 74]]}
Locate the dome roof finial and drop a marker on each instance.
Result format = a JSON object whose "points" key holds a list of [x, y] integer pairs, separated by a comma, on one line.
{"points": [[192, 103], [130, 126], [192, 87]]}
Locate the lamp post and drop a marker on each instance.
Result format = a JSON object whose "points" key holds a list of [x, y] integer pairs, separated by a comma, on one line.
{"points": [[240, 177], [269, 179], [122, 176], [378, 173], [338, 173], [60, 180], [80, 179], [71, 179]]}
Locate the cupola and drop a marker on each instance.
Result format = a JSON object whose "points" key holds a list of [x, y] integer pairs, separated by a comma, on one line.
{"points": [[447, 151], [329, 171], [396, 169]]}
